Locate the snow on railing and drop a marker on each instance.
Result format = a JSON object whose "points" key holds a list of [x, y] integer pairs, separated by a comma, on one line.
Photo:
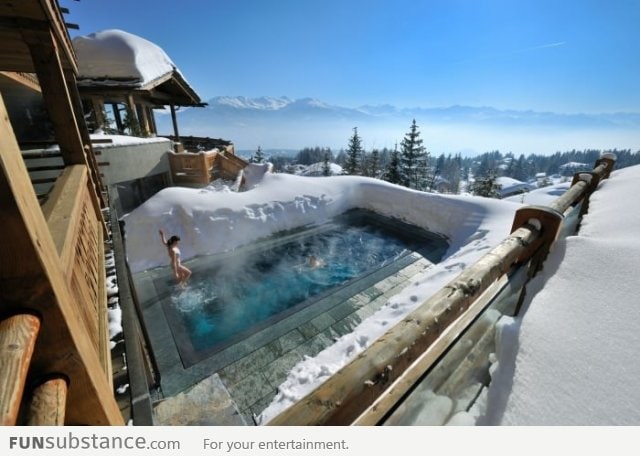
{"points": [[366, 389]]}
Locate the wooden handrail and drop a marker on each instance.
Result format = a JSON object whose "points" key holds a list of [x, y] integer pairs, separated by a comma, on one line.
{"points": [[18, 336], [378, 372]]}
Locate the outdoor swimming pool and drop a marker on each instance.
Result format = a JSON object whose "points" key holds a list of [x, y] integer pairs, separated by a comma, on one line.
{"points": [[234, 295]]}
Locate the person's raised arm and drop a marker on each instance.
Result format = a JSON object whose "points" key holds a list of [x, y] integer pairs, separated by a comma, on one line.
{"points": [[162, 237]]}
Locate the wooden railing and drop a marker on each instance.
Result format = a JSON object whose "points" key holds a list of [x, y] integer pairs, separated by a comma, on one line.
{"points": [[78, 236], [200, 169], [228, 166], [52, 297], [367, 388], [192, 169]]}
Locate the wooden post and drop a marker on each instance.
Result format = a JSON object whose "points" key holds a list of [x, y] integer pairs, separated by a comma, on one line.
{"points": [[98, 111], [31, 276], [175, 123], [118, 117], [609, 160], [46, 61], [152, 119], [62, 107], [144, 119], [17, 340]]}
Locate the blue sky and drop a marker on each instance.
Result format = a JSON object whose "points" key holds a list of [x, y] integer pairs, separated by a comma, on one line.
{"points": [[562, 56]]}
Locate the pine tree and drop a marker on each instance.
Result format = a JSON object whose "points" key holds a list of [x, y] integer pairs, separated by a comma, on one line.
{"points": [[414, 160], [326, 165], [486, 185], [354, 154], [393, 172], [374, 163], [130, 122], [258, 157]]}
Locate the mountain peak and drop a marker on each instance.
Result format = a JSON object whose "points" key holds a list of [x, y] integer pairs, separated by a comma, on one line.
{"points": [[261, 103]]}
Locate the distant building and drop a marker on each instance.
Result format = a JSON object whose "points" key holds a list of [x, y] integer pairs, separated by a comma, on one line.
{"points": [[569, 169], [510, 186]]}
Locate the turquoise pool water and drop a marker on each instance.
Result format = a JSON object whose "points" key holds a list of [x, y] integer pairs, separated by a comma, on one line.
{"points": [[237, 295], [256, 291]]}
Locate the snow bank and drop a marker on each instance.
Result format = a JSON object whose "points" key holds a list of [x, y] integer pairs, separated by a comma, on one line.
{"points": [[210, 221], [114, 56], [571, 359]]}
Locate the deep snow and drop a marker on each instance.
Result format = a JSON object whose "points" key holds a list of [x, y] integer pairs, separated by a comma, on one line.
{"points": [[569, 359]]}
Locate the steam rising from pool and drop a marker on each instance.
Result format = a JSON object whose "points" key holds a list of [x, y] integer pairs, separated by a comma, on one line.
{"points": [[247, 291]]}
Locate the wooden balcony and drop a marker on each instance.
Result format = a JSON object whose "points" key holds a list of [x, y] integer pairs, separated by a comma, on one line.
{"points": [[52, 268], [199, 169]]}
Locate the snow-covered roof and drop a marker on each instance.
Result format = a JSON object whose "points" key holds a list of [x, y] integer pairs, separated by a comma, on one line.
{"points": [[120, 56], [509, 186], [115, 58]]}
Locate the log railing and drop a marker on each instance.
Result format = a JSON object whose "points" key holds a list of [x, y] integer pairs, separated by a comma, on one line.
{"points": [[364, 391]]}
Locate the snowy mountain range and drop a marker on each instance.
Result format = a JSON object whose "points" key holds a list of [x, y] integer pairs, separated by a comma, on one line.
{"points": [[282, 122]]}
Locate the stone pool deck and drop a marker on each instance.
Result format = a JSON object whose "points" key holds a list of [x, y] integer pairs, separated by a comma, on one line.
{"points": [[238, 383]]}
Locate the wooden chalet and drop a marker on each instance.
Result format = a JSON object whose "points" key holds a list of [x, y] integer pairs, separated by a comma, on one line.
{"points": [[55, 362]]}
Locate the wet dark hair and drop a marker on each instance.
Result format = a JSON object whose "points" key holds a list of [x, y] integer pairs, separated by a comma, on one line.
{"points": [[172, 240]]}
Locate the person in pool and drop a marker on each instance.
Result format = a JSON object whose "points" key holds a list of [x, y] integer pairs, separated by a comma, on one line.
{"points": [[315, 262], [180, 272]]}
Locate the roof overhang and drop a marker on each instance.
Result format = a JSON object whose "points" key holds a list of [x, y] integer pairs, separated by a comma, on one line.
{"points": [[170, 89]]}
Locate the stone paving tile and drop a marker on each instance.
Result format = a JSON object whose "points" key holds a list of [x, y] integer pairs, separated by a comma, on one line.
{"points": [[276, 371], [346, 325], [286, 343], [235, 372], [249, 390], [308, 330], [258, 407], [322, 322], [321, 341], [345, 309]]}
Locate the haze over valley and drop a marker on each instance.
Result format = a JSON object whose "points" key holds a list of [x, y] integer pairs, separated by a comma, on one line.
{"points": [[286, 123]]}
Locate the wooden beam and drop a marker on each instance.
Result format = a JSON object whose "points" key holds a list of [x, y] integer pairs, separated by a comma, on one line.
{"points": [[144, 119], [95, 181], [31, 277], [118, 117], [26, 79], [98, 111], [56, 97], [175, 123], [48, 403], [17, 340]]}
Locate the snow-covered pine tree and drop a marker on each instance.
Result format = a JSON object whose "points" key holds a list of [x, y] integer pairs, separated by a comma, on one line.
{"points": [[354, 154], [258, 157], [393, 172], [486, 185], [414, 160]]}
